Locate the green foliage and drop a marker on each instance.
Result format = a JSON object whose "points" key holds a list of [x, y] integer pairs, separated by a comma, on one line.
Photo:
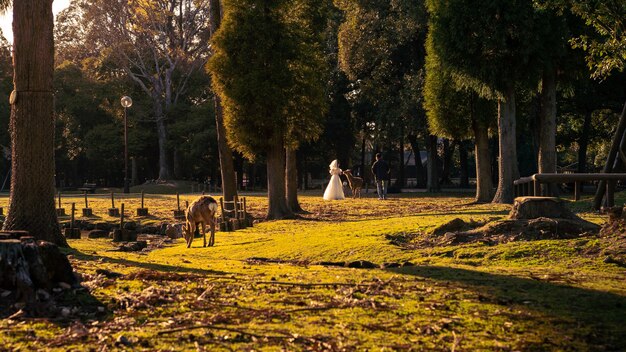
{"points": [[607, 49], [381, 49], [488, 45], [266, 68]]}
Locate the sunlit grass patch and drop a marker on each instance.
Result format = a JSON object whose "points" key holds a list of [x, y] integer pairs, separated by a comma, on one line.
{"points": [[535, 295]]}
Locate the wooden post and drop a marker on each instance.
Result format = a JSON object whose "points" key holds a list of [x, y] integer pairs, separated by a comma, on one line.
{"points": [[122, 217], [577, 191], [610, 193], [113, 211], [72, 218], [245, 211], [617, 143], [236, 205], [537, 188], [178, 214], [60, 211], [87, 211], [222, 207], [142, 211]]}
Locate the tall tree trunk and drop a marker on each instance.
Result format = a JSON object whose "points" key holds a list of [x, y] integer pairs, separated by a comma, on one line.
{"points": [[400, 178], [507, 161], [278, 208], [484, 183], [365, 172], [227, 169], [420, 171], [433, 165], [164, 166], [583, 144], [31, 126], [463, 156], [547, 127], [291, 185], [448, 151]]}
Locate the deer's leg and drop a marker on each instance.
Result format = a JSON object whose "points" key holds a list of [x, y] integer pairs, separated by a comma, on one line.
{"points": [[212, 238], [203, 233], [189, 234]]}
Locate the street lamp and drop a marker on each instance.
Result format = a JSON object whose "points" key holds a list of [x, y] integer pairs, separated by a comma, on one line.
{"points": [[126, 102]]}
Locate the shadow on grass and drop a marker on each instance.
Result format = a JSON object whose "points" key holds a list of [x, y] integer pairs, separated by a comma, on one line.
{"points": [[596, 317], [150, 266]]}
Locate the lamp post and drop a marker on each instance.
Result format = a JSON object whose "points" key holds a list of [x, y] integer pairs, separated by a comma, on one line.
{"points": [[126, 102]]}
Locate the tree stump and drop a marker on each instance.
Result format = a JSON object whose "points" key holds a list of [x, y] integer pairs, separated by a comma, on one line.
{"points": [[27, 266], [526, 208]]}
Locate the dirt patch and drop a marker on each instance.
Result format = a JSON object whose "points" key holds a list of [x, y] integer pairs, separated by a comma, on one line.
{"points": [[493, 232], [612, 244]]}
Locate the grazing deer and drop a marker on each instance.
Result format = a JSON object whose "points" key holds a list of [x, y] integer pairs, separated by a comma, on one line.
{"points": [[200, 211], [356, 183]]}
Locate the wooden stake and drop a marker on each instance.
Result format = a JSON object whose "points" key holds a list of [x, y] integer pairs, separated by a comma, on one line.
{"points": [[178, 201], [142, 199], [245, 208], [122, 217], [86, 202], [72, 219], [112, 200], [59, 194]]}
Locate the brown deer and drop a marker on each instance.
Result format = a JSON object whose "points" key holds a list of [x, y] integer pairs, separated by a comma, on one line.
{"points": [[200, 211], [356, 183]]}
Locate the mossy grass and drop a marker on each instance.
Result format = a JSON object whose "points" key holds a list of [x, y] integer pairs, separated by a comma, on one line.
{"points": [[539, 295]]}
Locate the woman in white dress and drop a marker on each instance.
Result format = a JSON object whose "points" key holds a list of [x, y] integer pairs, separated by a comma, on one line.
{"points": [[334, 190]]}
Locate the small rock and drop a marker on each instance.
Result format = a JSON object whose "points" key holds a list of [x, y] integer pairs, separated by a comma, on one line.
{"points": [[131, 225], [150, 229], [4, 293], [65, 312], [64, 285], [42, 295], [97, 234], [407, 263], [57, 290], [101, 309], [123, 340]]}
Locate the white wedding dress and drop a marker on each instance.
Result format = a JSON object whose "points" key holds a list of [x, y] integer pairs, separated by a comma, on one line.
{"points": [[334, 190]]}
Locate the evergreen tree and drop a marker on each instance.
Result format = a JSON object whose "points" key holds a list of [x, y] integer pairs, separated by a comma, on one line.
{"points": [[458, 113], [267, 75], [490, 47]]}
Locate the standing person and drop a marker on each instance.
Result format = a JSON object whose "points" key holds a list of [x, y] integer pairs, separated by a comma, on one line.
{"points": [[381, 172], [334, 190]]}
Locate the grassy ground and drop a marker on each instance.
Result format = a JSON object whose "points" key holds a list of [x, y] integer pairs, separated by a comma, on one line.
{"points": [[523, 296]]}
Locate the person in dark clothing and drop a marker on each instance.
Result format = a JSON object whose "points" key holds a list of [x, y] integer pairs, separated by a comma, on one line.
{"points": [[381, 172]]}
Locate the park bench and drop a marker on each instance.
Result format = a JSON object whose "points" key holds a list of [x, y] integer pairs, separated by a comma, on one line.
{"points": [[88, 187]]}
